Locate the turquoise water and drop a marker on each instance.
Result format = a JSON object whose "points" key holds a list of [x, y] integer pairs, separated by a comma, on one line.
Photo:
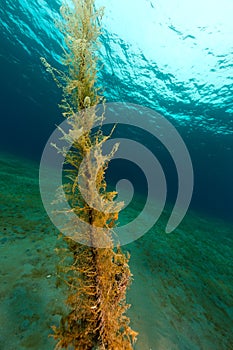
{"points": [[174, 57], [182, 69]]}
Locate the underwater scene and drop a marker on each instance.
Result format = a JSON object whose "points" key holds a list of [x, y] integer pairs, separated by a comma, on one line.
{"points": [[116, 175]]}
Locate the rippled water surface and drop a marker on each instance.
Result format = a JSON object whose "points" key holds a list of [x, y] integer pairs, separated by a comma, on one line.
{"points": [[172, 56]]}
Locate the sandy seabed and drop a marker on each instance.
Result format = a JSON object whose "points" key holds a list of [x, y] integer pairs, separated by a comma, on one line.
{"points": [[181, 296]]}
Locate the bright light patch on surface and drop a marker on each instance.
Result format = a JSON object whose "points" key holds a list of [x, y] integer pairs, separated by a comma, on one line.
{"points": [[187, 38]]}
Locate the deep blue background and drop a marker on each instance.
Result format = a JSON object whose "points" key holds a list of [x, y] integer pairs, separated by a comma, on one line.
{"points": [[29, 103]]}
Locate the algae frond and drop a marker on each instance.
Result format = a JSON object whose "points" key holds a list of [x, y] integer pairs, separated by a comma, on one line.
{"points": [[98, 278]]}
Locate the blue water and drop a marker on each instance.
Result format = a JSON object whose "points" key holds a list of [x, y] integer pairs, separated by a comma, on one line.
{"points": [[201, 111], [195, 93]]}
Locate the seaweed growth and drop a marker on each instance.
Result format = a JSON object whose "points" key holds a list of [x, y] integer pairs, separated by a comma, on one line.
{"points": [[98, 278]]}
